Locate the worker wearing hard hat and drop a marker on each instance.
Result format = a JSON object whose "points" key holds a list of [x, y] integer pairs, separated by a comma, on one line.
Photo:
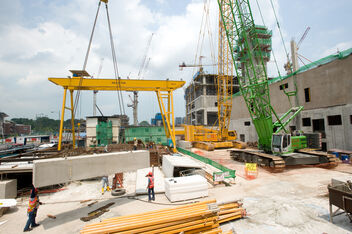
{"points": [[150, 187], [105, 181], [32, 210], [135, 143]]}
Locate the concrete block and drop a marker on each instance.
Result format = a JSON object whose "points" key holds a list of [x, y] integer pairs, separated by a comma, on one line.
{"points": [[184, 144], [60, 170], [8, 189]]}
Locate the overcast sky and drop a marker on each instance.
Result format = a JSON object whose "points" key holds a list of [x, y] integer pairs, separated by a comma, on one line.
{"points": [[42, 38]]}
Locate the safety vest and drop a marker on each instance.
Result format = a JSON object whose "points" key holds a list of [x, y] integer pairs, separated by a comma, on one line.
{"points": [[151, 182], [32, 204]]}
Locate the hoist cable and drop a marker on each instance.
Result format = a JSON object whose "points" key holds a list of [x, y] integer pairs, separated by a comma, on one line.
{"points": [[117, 77], [86, 59], [272, 49]]}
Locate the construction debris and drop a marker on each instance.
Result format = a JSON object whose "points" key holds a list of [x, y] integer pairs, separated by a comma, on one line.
{"points": [[51, 216], [96, 213], [198, 217]]}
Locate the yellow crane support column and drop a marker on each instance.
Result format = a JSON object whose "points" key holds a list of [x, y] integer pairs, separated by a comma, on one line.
{"points": [[73, 121], [165, 114], [62, 119], [64, 107]]}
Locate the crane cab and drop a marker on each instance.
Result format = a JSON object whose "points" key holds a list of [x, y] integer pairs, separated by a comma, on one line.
{"points": [[231, 135], [281, 143]]}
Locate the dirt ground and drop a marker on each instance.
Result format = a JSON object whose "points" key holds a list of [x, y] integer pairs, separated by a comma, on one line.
{"points": [[294, 201]]}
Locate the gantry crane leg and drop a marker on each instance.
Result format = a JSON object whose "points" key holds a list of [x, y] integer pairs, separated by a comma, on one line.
{"points": [[166, 114], [63, 117]]}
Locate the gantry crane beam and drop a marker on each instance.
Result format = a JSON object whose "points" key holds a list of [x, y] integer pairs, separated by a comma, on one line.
{"points": [[163, 89], [76, 83]]}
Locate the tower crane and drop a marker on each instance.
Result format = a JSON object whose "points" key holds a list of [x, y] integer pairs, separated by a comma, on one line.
{"points": [[142, 69]]}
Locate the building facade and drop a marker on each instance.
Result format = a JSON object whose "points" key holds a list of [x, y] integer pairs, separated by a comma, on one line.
{"points": [[2, 120], [13, 129], [201, 99], [325, 92]]}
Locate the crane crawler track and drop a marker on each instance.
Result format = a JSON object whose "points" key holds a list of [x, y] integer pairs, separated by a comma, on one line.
{"points": [[275, 163]]}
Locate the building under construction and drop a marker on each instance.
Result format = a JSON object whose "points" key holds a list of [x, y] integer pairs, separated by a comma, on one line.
{"points": [[201, 99]]}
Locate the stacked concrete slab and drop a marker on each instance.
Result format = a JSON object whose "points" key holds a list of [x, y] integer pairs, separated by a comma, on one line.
{"points": [[8, 189], [60, 170], [184, 144]]}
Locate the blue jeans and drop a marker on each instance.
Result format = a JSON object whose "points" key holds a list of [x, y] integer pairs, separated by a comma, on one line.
{"points": [[105, 181], [151, 191], [31, 220]]}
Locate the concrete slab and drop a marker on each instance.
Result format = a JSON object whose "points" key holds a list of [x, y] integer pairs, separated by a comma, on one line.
{"points": [[60, 170], [184, 144], [8, 189], [185, 188], [173, 164], [142, 181]]}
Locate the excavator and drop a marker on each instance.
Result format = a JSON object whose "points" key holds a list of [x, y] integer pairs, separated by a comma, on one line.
{"points": [[277, 146]]}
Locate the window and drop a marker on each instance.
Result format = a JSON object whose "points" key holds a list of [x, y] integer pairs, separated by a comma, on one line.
{"points": [[306, 122], [323, 146], [350, 119], [284, 86], [247, 123], [158, 139], [242, 137], [334, 120], [307, 94]]}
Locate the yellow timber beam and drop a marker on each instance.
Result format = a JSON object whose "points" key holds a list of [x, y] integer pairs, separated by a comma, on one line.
{"points": [[163, 88], [79, 83]]}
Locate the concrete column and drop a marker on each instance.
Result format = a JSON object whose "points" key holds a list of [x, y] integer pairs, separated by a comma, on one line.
{"points": [[294, 56]]}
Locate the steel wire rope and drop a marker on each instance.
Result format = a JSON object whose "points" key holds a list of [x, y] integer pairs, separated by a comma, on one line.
{"points": [[211, 40], [279, 28], [195, 61], [86, 59], [78, 94], [272, 49], [116, 71]]}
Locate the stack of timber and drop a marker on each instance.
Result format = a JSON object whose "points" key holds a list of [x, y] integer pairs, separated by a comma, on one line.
{"points": [[200, 217]]}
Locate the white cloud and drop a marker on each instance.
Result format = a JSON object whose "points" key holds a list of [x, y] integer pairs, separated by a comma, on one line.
{"points": [[32, 51], [337, 48]]}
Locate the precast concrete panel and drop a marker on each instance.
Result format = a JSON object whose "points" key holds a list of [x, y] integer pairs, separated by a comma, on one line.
{"points": [[55, 171]]}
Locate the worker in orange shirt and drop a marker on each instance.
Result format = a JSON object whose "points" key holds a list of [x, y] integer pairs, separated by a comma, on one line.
{"points": [[32, 210], [150, 187]]}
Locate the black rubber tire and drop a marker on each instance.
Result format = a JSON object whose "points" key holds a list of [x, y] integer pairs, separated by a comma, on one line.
{"points": [[118, 192]]}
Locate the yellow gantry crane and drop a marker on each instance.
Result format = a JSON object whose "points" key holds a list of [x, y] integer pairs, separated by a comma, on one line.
{"points": [[81, 81]]}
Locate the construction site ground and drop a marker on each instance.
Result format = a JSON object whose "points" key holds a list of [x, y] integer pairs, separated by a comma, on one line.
{"points": [[293, 201]]}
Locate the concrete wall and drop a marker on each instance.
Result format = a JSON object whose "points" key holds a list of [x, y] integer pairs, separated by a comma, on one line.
{"points": [[8, 189], [330, 94], [60, 170]]}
